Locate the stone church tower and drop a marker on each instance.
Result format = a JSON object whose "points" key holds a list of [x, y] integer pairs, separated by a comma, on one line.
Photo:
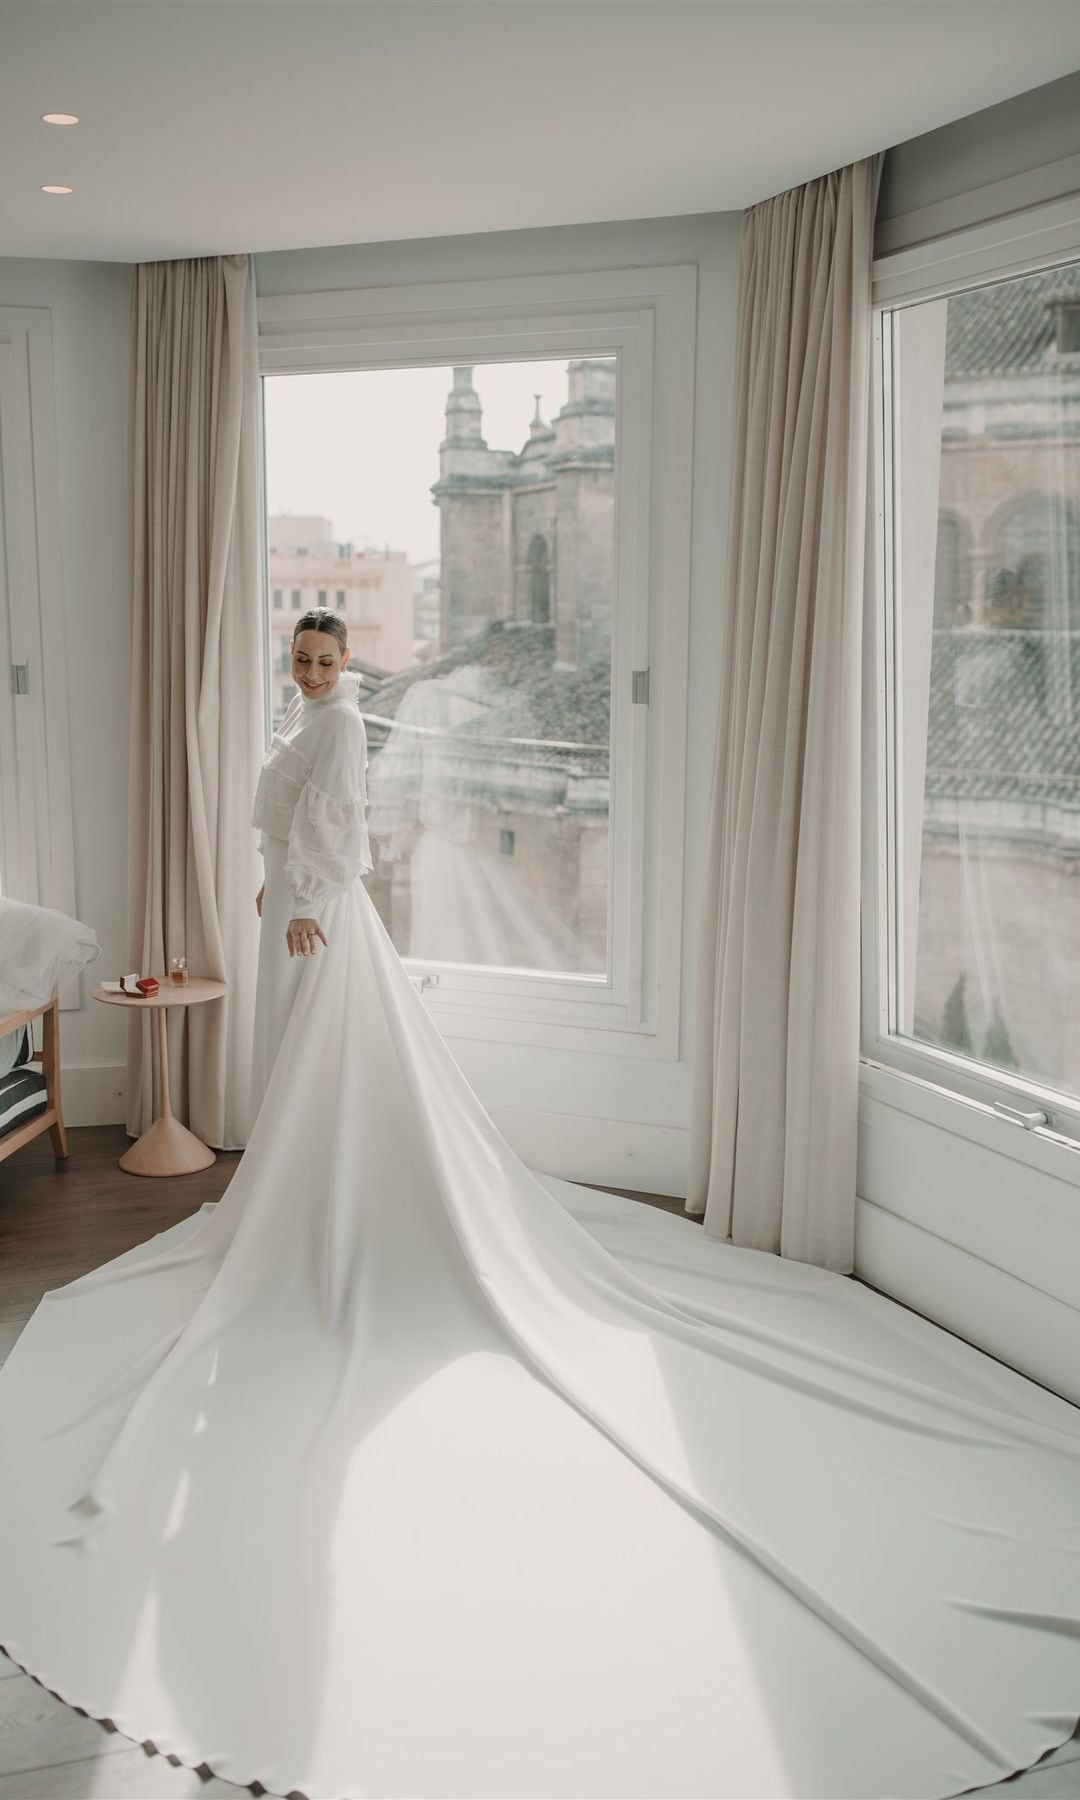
{"points": [[529, 536]]}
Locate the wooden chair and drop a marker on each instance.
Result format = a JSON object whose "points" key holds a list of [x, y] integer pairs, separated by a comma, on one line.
{"points": [[52, 1119]]}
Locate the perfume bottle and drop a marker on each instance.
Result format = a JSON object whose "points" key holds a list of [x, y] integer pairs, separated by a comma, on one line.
{"points": [[178, 971]]}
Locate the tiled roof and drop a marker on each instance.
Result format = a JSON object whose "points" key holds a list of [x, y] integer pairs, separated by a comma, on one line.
{"points": [[1005, 716], [1009, 326], [532, 698]]}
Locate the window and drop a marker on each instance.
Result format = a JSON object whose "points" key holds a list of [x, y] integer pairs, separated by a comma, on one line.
{"points": [[511, 707], [296, 599], [279, 599], [973, 977], [339, 598], [507, 551], [539, 581]]}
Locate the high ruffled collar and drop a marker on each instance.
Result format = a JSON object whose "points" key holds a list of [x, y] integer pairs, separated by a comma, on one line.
{"points": [[346, 692]]}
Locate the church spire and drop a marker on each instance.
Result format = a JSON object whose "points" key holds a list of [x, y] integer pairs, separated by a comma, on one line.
{"points": [[463, 411]]}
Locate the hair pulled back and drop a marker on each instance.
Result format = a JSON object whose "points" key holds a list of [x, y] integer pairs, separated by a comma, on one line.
{"points": [[320, 618]]}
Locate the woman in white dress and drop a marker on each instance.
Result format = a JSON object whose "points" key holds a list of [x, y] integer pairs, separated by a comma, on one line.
{"points": [[310, 811], [402, 1470]]}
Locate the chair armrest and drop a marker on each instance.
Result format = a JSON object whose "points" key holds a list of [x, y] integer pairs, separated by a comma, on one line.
{"points": [[12, 1021]]}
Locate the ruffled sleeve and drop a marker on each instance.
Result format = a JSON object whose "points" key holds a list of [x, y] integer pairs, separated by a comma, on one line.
{"points": [[328, 841]]}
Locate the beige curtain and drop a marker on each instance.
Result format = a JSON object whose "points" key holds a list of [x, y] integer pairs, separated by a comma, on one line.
{"points": [[197, 703], [776, 1038]]}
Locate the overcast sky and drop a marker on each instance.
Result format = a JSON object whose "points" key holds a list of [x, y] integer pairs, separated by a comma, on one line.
{"points": [[362, 447]]}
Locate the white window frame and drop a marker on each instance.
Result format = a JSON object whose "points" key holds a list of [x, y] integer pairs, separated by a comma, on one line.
{"points": [[646, 317], [931, 1083]]}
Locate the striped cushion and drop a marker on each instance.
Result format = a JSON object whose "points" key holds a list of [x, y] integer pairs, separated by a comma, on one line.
{"points": [[22, 1096], [14, 1049]]}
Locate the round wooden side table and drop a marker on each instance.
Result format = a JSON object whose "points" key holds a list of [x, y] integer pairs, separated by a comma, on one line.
{"points": [[166, 1147]]}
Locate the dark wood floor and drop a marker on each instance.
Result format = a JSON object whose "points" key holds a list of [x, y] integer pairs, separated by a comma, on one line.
{"points": [[60, 1219]]}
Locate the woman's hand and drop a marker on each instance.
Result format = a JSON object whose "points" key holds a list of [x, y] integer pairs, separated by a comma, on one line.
{"points": [[258, 899], [300, 935]]}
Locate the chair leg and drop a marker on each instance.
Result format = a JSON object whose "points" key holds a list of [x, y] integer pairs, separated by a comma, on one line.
{"points": [[50, 1068]]}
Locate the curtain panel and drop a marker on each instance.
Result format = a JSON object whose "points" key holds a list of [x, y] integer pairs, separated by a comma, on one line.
{"points": [[197, 731], [776, 1033]]}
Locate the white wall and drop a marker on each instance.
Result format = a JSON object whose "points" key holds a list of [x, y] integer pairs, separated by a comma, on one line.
{"points": [[631, 1130], [961, 1215], [89, 304], [1020, 153]]}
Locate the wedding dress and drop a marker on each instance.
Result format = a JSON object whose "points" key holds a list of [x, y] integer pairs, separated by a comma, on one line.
{"points": [[403, 1470]]}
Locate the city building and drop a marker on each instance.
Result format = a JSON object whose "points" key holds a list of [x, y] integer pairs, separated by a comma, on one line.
{"points": [[372, 589], [489, 771], [426, 609], [998, 914], [527, 535]]}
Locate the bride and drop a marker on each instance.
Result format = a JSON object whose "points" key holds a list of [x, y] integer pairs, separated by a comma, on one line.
{"points": [[403, 1470]]}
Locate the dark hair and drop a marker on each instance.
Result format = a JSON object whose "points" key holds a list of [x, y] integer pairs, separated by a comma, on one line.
{"points": [[320, 618]]}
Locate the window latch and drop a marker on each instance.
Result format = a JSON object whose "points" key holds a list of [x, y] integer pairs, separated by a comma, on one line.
{"points": [[20, 677], [1029, 1120], [640, 689]]}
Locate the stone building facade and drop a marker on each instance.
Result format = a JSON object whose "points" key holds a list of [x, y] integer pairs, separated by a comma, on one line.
{"points": [[998, 963], [489, 774], [527, 534]]}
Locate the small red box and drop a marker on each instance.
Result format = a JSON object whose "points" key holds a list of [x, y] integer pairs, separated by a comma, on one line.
{"points": [[147, 984]]}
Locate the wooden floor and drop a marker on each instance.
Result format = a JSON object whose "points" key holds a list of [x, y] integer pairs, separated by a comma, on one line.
{"points": [[57, 1221]]}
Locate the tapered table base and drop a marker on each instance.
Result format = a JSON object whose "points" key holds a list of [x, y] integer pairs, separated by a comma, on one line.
{"points": [[167, 1147]]}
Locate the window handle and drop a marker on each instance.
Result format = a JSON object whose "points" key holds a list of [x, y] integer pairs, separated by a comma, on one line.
{"points": [[1029, 1120]]}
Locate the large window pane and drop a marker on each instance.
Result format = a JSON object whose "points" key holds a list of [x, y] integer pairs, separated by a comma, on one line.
{"points": [[463, 520], [987, 521]]}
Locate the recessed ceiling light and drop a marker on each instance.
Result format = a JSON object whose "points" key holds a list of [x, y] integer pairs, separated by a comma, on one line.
{"points": [[59, 119], [57, 190]]}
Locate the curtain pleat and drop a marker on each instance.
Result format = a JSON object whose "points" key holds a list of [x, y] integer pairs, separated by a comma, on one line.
{"points": [[776, 1033], [197, 701]]}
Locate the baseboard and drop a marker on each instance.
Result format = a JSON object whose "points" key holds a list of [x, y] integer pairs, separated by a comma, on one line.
{"points": [[1009, 1318], [93, 1093], [650, 1159], [617, 1153]]}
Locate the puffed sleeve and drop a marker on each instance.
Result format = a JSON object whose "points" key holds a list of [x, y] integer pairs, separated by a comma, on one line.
{"points": [[328, 840]]}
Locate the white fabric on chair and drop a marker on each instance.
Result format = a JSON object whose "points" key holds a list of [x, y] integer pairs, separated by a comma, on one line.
{"points": [[38, 947]]}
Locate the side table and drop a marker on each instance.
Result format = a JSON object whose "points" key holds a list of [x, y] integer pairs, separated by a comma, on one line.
{"points": [[166, 1147]]}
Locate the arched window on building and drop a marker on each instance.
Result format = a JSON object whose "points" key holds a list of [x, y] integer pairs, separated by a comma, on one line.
{"points": [[1034, 579], [539, 581], [952, 572]]}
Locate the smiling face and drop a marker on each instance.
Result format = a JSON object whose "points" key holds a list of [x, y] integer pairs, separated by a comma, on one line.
{"points": [[317, 662]]}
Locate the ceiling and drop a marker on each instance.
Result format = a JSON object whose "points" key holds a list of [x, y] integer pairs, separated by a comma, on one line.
{"points": [[212, 126]]}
